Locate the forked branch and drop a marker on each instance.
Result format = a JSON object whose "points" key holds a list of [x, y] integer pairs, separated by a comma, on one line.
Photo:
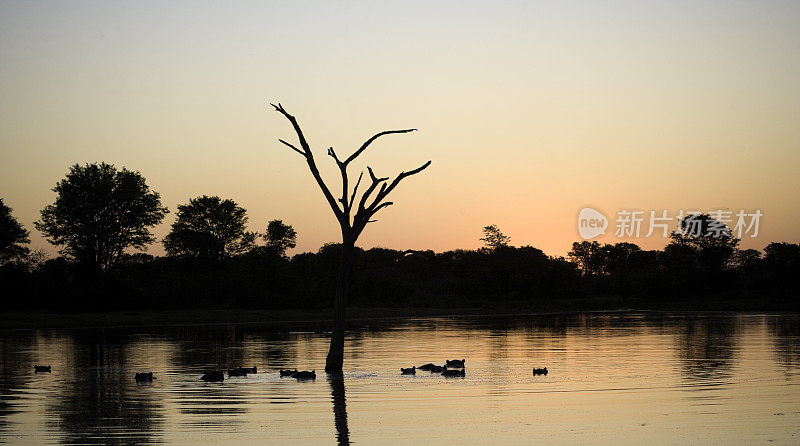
{"points": [[365, 214], [312, 165], [364, 211], [375, 182], [386, 190]]}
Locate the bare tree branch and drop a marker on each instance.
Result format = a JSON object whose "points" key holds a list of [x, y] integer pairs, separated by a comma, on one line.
{"points": [[312, 165], [374, 178], [386, 190], [381, 206], [333, 154], [353, 197], [345, 184], [375, 182], [303, 143], [364, 214], [369, 141], [292, 147]]}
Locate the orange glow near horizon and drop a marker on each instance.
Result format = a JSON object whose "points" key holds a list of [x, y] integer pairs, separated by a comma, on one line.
{"points": [[528, 112]]}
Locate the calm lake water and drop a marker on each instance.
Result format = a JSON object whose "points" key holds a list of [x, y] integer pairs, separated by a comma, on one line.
{"points": [[614, 379]]}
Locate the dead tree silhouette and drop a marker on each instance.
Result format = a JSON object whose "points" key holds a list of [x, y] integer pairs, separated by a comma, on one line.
{"points": [[351, 224]]}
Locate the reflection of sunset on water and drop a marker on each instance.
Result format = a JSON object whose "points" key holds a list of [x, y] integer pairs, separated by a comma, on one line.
{"points": [[656, 379]]}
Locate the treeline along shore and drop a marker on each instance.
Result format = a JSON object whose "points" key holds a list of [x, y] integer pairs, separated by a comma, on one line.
{"points": [[518, 278], [102, 217]]}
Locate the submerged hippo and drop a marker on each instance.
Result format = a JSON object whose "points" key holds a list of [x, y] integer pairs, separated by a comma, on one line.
{"points": [[456, 363], [305, 375], [144, 377], [213, 376]]}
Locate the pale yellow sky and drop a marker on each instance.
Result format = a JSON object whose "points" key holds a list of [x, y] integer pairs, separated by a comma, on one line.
{"points": [[529, 111]]}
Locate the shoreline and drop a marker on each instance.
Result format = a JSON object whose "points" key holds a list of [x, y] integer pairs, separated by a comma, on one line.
{"points": [[151, 318]]}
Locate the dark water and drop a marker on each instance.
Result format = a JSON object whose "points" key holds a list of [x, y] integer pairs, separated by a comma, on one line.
{"points": [[614, 379]]}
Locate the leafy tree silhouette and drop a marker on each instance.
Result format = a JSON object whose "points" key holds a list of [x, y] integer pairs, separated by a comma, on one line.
{"points": [[280, 237], [746, 259], [210, 228], [99, 213], [586, 255], [616, 257], [351, 224], [13, 237], [493, 238], [594, 258], [783, 259], [706, 239]]}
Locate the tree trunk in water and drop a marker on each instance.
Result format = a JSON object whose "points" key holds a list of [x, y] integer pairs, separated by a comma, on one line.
{"points": [[351, 227], [335, 360]]}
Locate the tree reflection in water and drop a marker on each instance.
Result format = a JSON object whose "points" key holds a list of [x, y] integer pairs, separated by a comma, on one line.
{"points": [[785, 332], [707, 347], [339, 408], [98, 403]]}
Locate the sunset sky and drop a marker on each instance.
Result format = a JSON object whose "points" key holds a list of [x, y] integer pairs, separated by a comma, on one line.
{"points": [[529, 111]]}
